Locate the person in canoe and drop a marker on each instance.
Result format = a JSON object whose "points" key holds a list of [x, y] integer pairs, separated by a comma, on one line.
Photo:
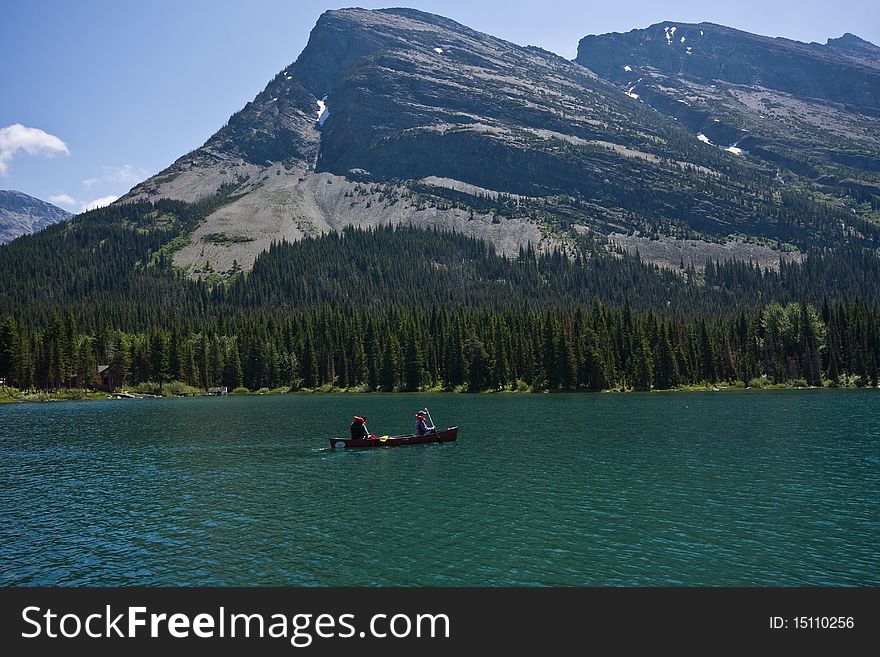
{"points": [[421, 426], [359, 429]]}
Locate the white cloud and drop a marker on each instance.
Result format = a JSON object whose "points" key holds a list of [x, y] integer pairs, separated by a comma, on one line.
{"points": [[126, 174], [62, 199], [98, 203], [32, 141]]}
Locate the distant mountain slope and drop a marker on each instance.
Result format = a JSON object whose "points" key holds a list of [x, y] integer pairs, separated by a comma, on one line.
{"points": [[809, 110], [849, 45], [405, 117], [21, 214]]}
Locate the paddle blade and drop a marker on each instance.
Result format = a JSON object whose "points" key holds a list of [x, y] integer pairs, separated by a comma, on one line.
{"points": [[383, 438]]}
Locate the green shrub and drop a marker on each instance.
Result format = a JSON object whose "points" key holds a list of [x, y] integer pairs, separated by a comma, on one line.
{"points": [[180, 388], [145, 388], [522, 386], [10, 394]]}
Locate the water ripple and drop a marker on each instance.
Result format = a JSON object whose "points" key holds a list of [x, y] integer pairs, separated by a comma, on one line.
{"points": [[693, 489]]}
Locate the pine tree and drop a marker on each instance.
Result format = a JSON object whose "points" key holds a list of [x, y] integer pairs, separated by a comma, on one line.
{"points": [[158, 357], [233, 377], [707, 354], [359, 363], [833, 370], [86, 363], [309, 362], [642, 365], [24, 373], [478, 364], [454, 359], [217, 364], [8, 348], [388, 379], [413, 369], [499, 369], [665, 374], [119, 359]]}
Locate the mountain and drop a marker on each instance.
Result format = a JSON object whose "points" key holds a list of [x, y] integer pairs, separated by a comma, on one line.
{"points": [[400, 116], [810, 111], [263, 258], [849, 45], [21, 214]]}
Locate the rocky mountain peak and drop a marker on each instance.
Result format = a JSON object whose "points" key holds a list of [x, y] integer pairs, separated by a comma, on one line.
{"points": [[856, 48], [21, 214], [849, 41]]}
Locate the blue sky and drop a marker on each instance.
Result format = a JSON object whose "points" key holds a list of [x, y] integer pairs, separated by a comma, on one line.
{"points": [[96, 95]]}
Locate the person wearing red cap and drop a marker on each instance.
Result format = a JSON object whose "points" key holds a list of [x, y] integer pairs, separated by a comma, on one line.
{"points": [[359, 428], [421, 426]]}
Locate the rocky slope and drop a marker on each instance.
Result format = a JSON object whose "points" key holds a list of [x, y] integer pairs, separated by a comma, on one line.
{"points": [[809, 110], [21, 214], [401, 116], [405, 117]]}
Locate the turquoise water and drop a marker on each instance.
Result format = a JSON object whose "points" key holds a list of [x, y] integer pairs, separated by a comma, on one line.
{"points": [[754, 488]]}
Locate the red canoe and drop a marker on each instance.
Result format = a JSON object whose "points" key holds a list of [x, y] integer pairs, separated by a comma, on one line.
{"points": [[445, 436]]}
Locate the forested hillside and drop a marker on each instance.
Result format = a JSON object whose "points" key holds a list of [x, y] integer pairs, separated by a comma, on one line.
{"points": [[409, 309]]}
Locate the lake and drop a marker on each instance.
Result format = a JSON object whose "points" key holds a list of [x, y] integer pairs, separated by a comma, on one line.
{"points": [[757, 488]]}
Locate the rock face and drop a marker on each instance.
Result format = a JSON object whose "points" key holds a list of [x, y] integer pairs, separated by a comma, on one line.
{"points": [[400, 116], [863, 52], [21, 214], [808, 109], [839, 72]]}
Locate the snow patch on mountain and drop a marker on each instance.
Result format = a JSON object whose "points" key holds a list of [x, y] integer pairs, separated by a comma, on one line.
{"points": [[323, 111]]}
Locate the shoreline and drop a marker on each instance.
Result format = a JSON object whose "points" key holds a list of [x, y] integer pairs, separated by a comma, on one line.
{"points": [[74, 395]]}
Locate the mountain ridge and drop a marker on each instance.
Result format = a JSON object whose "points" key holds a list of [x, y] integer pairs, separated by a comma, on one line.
{"points": [[22, 214], [810, 112], [406, 117], [709, 50]]}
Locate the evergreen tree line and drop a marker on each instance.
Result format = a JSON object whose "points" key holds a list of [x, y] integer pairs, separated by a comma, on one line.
{"points": [[119, 273], [407, 309], [581, 347]]}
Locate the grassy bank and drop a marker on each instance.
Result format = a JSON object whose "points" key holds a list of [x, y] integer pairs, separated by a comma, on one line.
{"points": [[177, 389], [12, 395]]}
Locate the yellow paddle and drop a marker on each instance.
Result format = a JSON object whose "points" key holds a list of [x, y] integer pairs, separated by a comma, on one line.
{"points": [[383, 438]]}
